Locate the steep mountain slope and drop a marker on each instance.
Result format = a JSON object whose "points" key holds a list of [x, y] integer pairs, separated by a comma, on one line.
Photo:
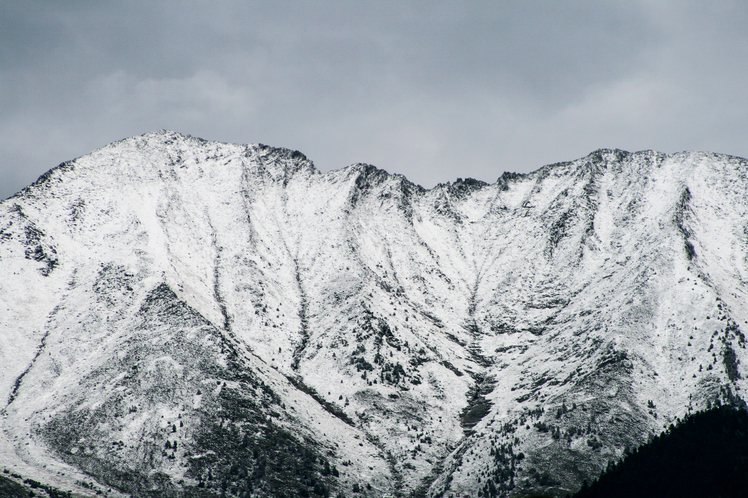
{"points": [[190, 317]]}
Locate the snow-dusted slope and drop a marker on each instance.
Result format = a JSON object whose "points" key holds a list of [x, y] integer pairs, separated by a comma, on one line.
{"points": [[182, 316]]}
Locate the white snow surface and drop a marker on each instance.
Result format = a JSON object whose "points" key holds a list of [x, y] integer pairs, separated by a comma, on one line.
{"points": [[522, 333]]}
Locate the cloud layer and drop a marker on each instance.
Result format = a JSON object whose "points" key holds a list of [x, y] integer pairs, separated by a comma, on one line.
{"points": [[432, 90]]}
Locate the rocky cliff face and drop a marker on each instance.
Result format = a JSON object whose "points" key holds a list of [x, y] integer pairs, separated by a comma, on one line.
{"points": [[190, 318]]}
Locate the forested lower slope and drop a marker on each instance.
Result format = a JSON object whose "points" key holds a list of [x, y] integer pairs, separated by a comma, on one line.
{"points": [[705, 455]]}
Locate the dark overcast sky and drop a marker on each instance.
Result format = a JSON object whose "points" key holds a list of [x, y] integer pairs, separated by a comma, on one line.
{"points": [[431, 89]]}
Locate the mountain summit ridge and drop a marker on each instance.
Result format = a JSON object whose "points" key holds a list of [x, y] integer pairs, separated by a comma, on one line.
{"points": [[183, 317]]}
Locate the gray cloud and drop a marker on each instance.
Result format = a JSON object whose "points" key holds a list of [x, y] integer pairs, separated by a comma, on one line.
{"points": [[432, 90]]}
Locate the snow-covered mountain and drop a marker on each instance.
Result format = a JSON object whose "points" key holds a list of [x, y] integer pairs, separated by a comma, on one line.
{"points": [[190, 318]]}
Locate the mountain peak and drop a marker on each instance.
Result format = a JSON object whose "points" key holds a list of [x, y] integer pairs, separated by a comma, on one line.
{"points": [[187, 316]]}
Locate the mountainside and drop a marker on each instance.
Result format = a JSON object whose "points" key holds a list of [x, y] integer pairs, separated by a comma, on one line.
{"points": [[190, 318], [705, 454]]}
